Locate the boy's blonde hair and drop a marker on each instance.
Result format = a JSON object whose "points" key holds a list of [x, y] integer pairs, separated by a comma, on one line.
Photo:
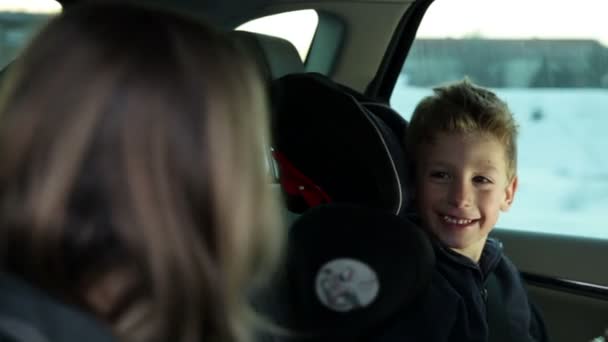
{"points": [[464, 108]]}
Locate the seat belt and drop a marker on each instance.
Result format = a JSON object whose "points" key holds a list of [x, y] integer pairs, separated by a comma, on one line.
{"points": [[498, 322]]}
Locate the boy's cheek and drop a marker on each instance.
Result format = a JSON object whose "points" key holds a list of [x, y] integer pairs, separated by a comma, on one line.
{"points": [[433, 192]]}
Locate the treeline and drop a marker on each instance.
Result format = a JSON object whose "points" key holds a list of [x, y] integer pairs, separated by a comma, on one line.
{"points": [[509, 63]]}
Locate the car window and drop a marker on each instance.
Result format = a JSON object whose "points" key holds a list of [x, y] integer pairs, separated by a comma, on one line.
{"points": [[298, 27], [549, 61], [18, 21]]}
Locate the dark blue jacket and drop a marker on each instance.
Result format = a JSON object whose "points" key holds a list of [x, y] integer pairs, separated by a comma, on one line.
{"points": [[29, 315], [455, 306]]}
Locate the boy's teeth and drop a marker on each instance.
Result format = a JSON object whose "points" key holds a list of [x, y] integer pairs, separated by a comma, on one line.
{"points": [[453, 220]]}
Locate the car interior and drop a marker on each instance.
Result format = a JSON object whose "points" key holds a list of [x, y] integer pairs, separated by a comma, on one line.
{"points": [[341, 101]]}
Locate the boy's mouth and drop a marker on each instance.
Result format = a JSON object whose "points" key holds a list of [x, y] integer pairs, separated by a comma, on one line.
{"points": [[457, 220]]}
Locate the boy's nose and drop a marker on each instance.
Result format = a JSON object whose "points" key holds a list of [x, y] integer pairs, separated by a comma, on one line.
{"points": [[460, 195]]}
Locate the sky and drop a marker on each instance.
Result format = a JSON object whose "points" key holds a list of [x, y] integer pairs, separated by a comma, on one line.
{"points": [[34, 6], [299, 35], [517, 19]]}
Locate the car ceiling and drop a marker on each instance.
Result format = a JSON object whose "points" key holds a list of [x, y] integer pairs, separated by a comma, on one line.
{"points": [[230, 13], [370, 25]]}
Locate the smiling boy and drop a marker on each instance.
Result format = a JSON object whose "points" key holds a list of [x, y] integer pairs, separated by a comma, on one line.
{"points": [[462, 144], [463, 181]]}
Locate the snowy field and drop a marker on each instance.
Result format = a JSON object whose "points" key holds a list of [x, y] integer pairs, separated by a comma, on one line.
{"points": [[563, 158]]}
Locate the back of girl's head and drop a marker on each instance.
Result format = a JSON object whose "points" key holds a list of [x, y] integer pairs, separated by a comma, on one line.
{"points": [[133, 139]]}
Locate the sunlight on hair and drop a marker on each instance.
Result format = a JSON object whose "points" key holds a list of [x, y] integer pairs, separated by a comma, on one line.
{"points": [[298, 27], [30, 6]]}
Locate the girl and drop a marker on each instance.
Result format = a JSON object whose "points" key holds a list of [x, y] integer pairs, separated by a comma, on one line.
{"points": [[132, 178]]}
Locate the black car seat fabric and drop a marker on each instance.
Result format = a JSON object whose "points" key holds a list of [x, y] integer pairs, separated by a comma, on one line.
{"points": [[382, 110], [349, 270], [395, 121], [277, 57], [352, 262], [29, 315], [342, 152]]}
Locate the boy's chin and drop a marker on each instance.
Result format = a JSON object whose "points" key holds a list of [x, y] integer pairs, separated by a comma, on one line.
{"points": [[453, 239], [455, 243], [468, 247]]}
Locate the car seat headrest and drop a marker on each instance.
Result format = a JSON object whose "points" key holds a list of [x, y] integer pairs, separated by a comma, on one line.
{"points": [[276, 56], [349, 270], [385, 112], [330, 147], [392, 118]]}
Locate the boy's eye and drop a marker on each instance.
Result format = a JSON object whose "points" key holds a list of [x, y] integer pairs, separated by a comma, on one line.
{"points": [[439, 175], [481, 180]]}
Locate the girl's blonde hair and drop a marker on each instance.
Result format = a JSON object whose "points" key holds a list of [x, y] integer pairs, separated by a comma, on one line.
{"points": [[134, 139]]}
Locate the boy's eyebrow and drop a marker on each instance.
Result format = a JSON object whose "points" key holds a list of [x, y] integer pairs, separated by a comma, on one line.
{"points": [[438, 163], [490, 170], [487, 165]]}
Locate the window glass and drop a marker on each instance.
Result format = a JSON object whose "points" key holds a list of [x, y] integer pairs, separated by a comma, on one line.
{"points": [[18, 21], [298, 27], [549, 61]]}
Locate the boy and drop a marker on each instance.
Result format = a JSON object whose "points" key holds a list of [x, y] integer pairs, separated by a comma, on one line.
{"points": [[462, 141]]}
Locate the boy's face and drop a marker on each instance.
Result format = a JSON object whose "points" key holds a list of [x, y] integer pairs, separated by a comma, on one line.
{"points": [[461, 186]]}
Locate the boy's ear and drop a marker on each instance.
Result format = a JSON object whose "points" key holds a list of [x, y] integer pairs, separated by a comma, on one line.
{"points": [[509, 194]]}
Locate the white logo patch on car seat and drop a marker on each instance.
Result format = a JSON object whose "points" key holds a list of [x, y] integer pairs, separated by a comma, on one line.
{"points": [[346, 284]]}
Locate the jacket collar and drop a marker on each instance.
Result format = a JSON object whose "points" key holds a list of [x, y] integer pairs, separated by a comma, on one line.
{"points": [[490, 256]]}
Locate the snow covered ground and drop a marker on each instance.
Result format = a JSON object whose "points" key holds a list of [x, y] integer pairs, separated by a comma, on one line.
{"points": [[563, 158]]}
